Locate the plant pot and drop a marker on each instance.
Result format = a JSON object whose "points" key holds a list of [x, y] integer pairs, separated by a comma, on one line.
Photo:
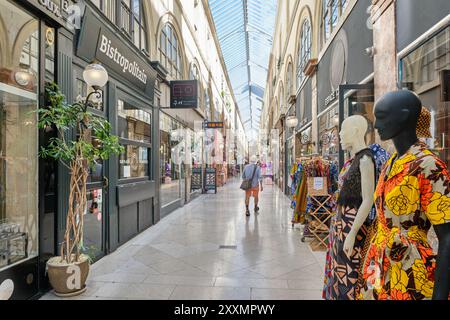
{"points": [[68, 279]]}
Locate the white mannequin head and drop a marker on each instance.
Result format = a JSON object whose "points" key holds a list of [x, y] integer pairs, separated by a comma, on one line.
{"points": [[353, 132]]}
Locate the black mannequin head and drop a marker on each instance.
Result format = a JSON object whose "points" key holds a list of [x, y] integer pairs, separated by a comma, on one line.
{"points": [[397, 114]]}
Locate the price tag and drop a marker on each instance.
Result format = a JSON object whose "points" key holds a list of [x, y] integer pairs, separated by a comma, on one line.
{"points": [[318, 183]]}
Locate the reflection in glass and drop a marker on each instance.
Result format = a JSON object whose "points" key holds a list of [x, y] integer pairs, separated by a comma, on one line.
{"points": [[134, 162], [18, 135], [172, 154], [93, 217], [134, 123]]}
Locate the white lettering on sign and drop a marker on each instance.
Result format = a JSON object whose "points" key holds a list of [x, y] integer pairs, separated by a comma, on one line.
{"points": [[331, 97], [51, 6], [114, 54]]}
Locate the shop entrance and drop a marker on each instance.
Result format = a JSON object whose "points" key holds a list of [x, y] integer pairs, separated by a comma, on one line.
{"points": [[357, 99], [94, 238]]}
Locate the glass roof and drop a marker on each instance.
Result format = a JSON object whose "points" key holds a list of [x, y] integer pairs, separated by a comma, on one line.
{"points": [[245, 30]]}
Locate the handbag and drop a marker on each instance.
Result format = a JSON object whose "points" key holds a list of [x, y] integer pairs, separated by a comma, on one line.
{"points": [[247, 183]]}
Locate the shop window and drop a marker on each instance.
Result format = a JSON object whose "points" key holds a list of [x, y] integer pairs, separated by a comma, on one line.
{"points": [[18, 136], [304, 51], [134, 130], [170, 53], [93, 224], [423, 70], [329, 135], [134, 162], [172, 152]]}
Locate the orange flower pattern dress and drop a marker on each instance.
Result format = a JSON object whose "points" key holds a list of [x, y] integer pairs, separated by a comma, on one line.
{"points": [[413, 194]]}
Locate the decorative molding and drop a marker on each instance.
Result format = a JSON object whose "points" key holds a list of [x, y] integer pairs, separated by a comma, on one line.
{"points": [[311, 67]]}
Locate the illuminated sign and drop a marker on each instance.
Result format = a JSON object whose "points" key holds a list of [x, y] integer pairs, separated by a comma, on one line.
{"points": [[184, 94], [214, 125]]}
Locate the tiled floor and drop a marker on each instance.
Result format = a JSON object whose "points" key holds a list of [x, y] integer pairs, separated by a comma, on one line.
{"points": [[180, 258]]}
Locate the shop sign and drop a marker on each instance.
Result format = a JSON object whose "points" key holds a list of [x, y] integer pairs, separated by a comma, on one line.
{"points": [[59, 9], [333, 96], [97, 42], [213, 125], [184, 94]]}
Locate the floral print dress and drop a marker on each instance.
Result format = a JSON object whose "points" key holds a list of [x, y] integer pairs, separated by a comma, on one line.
{"points": [[413, 193]]}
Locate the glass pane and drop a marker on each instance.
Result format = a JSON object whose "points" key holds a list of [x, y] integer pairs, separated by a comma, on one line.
{"points": [[96, 172], [134, 123], [126, 3], [334, 13], [134, 162], [136, 34], [137, 8], [126, 19], [93, 224], [171, 151], [109, 8], [143, 39], [97, 3], [329, 134], [18, 136], [50, 49], [423, 65]]}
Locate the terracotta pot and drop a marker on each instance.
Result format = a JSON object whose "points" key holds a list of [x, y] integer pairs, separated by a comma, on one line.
{"points": [[68, 279]]}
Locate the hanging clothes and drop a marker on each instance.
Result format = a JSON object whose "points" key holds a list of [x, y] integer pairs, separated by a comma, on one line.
{"points": [[298, 193], [341, 271]]}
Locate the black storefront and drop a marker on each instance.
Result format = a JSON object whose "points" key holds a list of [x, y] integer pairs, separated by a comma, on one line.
{"points": [[38, 45], [345, 81], [423, 44]]}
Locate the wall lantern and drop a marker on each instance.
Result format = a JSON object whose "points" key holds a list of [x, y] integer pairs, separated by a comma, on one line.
{"points": [[291, 121]]}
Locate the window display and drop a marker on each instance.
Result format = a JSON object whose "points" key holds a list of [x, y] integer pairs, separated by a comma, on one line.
{"points": [[171, 158], [426, 71], [18, 136], [328, 134], [135, 133]]}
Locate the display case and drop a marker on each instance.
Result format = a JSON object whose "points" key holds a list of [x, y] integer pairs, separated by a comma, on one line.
{"points": [[13, 243]]}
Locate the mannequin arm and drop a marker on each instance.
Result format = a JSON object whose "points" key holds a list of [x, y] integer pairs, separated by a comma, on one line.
{"points": [[442, 273], [367, 189]]}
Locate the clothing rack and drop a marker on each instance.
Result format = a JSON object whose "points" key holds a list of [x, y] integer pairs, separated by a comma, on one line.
{"points": [[319, 197]]}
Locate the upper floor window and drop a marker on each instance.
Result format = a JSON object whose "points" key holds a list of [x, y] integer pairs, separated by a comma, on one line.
{"points": [[108, 7], [133, 22], [131, 18], [194, 74], [289, 80], [304, 53], [331, 12], [170, 52]]}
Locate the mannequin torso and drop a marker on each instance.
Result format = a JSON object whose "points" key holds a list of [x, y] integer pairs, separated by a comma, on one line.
{"points": [[355, 203]]}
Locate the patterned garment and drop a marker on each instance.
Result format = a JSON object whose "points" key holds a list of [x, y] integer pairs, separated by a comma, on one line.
{"points": [[381, 156], [326, 294], [298, 193], [413, 194], [341, 271]]}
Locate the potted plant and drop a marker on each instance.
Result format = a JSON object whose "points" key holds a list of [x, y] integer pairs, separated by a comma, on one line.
{"points": [[68, 271]]}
